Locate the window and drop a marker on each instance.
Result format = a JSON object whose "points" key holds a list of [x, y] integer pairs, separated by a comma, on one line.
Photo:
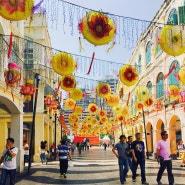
{"points": [[158, 49], [160, 85], [14, 57], [173, 18], [132, 105], [28, 53], [139, 64], [149, 86], [148, 53], [172, 79], [182, 14]]}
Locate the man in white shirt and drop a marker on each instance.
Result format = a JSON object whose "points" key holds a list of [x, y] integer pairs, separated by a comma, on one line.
{"points": [[9, 162], [26, 151]]}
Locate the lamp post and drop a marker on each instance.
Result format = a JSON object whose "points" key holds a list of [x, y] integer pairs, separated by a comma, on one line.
{"points": [[55, 133], [122, 128], [31, 149]]}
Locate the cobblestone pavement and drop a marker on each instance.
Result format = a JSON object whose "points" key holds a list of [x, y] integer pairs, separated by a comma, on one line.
{"points": [[95, 166]]}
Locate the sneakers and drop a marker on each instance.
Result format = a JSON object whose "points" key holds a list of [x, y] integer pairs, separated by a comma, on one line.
{"points": [[63, 175], [145, 183], [159, 183]]}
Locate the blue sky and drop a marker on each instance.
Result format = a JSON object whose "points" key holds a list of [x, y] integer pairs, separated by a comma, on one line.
{"points": [[140, 9]]}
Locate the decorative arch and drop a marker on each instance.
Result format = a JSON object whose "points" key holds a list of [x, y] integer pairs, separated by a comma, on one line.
{"points": [[160, 85], [148, 53], [149, 86], [159, 127], [172, 80], [149, 133]]}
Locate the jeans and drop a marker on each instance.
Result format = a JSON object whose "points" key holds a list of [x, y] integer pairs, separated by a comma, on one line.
{"points": [[163, 165], [142, 167], [43, 157], [122, 172], [63, 166], [5, 174], [130, 163]]}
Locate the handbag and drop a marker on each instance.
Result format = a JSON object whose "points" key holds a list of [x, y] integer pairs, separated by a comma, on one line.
{"points": [[70, 163]]}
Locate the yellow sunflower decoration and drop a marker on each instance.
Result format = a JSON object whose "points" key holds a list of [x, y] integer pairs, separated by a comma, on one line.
{"points": [[112, 120], [102, 113], [112, 100], [174, 91], [103, 120], [148, 102], [63, 63], [116, 109], [94, 121], [139, 105], [143, 93], [103, 89], [78, 110], [172, 40], [76, 94], [93, 108], [68, 82], [125, 111], [73, 118], [97, 28], [128, 75], [16, 10], [70, 103], [182, 75], [121, 118]]}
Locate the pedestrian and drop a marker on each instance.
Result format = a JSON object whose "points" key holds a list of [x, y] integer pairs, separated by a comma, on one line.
{"points": [[163, 157], [88, 145], [9, 160], [121, 154], [129, 152], [43, 152], [105, 146], [62, 156], [52, 151], [139, 155], [26, 151]]}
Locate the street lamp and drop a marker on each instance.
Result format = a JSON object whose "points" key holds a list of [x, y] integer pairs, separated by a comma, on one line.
{"points": [[55, 134], [122, 128], [31, 149]]}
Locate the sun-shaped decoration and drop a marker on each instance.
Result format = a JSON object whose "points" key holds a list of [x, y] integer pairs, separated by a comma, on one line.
{"points": [[182, 75], [97, 28], [128, 75], [148, 102], [143, 93], [139, 105], [63, 63], [102, 113], [68, 82], [78, 110], [112, 100], [76, 94], [172, 40], [174, 91], [16, 10], [103, 89], [93, 108], [70, 103], [73, 118]]}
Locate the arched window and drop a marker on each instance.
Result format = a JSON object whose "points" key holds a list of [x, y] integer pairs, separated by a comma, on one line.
{"points": [[139, 64], [172, 79], [160, 85], [148, 53], [28, 53], [149, 86], [173, 18]]}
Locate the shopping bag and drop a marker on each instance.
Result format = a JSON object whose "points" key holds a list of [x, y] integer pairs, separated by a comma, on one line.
{"points": [[70, 163]]}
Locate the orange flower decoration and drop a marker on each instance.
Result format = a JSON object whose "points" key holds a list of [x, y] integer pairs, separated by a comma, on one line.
{"points": [[139, 105], [103, 89], [70, 103], [120, 118], [76, 94], [128, 75], [94, 121], [174, 91], [103, 120], [73, 118], [148, 102], [67, 83], [78, 110], [92, 108], [102, 113], [112, 100]]}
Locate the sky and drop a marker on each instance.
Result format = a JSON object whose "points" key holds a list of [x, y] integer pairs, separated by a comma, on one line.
{"points": [[139, 9]]}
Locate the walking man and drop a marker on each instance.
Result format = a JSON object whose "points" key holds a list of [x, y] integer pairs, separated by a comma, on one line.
{"points": [[121, 154], [129, 152], [62, 155], [138, 152], [163, 157], [9, 160]]}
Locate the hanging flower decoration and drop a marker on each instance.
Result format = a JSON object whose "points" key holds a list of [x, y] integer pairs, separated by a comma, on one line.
{"points": [[103, 120], [67, 83], [70, 103], [128, 75], [97, 28], [103, 89], [139, 106], [120, 118], [73, 118], [116, 109], [182, 75], [143, 93], [125, 111], [28, 89], [174, 91], [148, 102], [76, 94], [48, 99], [172, 40], [63, 63], [112, 100], [16, 10], [111, 120], [94, 121], [93, 108], [88, 119], [78, 110], [102, 113]]}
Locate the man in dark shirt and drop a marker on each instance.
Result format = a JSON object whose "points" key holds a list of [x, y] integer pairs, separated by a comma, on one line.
{"points": [[138, 152], [121, 154]]}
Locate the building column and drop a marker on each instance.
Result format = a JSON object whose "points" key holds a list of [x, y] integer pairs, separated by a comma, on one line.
{"points": [[154, 143], [16, 132]]}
